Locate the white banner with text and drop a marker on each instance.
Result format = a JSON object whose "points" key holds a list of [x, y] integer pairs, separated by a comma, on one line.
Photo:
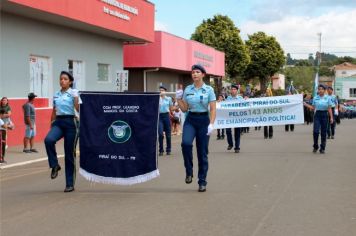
{"points": [[279, 110]]}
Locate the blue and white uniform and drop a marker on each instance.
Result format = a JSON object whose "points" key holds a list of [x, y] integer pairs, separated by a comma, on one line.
{"points": [[237, 131], [196, 126], [164, 123], [63, 126], [331, 127], [321, 105]]}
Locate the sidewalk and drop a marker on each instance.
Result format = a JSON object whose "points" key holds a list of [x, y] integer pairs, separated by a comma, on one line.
{"points": [[15, 155]]}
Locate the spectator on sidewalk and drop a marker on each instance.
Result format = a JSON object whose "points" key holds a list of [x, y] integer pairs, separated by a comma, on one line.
{"points": [[30, 130], [5, 109], [3, 127]]}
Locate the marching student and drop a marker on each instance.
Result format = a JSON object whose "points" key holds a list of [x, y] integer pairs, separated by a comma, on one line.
{"points": [[322, 106], [237, 131], [334, 104], [221, 133], [199, 101], [165, 106], [65, 101]]}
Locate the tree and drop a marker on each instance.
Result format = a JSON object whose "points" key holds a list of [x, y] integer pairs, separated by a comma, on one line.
{"points": [[303, 63], [267, 57], [302, 77], [221, 34]]}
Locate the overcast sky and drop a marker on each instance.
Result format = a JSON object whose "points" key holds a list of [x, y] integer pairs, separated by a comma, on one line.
{"points": [[295, 23]]}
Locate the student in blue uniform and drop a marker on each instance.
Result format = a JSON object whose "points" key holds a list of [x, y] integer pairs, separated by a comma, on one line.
{"points": [[221, 132], [199, 101], [322, 106], [165, 106], [334, 104], [63, 126], [237, 131]]}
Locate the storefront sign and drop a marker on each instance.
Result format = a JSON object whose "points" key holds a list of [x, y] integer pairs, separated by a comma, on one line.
{"points": [[120, 6]]}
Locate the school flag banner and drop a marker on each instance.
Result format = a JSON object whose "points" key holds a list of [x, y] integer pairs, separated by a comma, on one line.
{"points": [[118, 137], [279, 110]]}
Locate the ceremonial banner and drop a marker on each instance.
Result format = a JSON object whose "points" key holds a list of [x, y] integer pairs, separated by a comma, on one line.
{"points": [[118, 137], [279, 110]]}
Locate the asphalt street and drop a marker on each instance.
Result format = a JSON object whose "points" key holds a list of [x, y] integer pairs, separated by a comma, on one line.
{"points": [[274, 187]]}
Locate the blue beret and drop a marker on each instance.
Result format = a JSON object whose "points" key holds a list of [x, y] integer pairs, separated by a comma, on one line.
{"points": [[199, 67], [70, 76], [322, 86], [235, 86], [162, 87]]}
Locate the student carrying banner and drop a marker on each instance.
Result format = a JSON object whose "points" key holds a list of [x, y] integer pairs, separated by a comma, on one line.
{"points": [[237, 131], [63, 126], [199, 101], [322, 106]]}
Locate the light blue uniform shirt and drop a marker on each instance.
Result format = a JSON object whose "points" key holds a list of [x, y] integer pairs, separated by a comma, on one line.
{"points": [[333, 100], [64, 102], [321, 103], [164, 104], [198, 99], [238, 97]]}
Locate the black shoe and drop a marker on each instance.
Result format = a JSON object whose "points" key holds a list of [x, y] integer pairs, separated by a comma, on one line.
{"points": [[218, 138], [237, 150], [54, 172], [270, 137], [322, 151], [188, 179], [33, 150], [332, 137], [223, 137], [315, 150], [202, 188], [160, 154], [168, 153], [27, 151], [229, 147], [69, 189]]}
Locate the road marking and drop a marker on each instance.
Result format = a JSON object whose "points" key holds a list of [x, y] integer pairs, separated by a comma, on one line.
{"points": [[26, 162]]}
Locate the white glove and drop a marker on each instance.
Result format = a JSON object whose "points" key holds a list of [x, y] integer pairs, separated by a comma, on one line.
{"points": [[179, 94], [210, 129], [336, 112], [75, 92]]}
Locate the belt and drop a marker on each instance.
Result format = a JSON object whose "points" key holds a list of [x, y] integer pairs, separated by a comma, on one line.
{"points": [[198, 113], [321, 111], [65, 116]]}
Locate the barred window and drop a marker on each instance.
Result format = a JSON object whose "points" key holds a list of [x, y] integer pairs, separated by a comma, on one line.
{"points": [[103, 72], [353, 92]]}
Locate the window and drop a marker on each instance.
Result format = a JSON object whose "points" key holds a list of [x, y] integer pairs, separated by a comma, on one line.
{"points": [[353, 92], [103, 72], [344, 72]]}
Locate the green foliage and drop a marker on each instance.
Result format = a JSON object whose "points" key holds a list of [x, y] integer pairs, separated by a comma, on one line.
{"points": [[267, 57], [303, 63], [302, 77], [221, 34]]}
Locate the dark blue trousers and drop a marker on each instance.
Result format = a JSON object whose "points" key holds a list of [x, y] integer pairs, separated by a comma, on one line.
{"points": [[237, 137], [63, 128], [196, 126], [164, 126], [331, 127], [320, 123]]}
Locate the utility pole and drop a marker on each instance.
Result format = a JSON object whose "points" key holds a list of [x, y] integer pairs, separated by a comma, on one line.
{"points": [[319, 58]]}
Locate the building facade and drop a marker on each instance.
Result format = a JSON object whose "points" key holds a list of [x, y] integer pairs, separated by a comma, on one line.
{"points": [[345, 81], [168, 61], [40, 38]]}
